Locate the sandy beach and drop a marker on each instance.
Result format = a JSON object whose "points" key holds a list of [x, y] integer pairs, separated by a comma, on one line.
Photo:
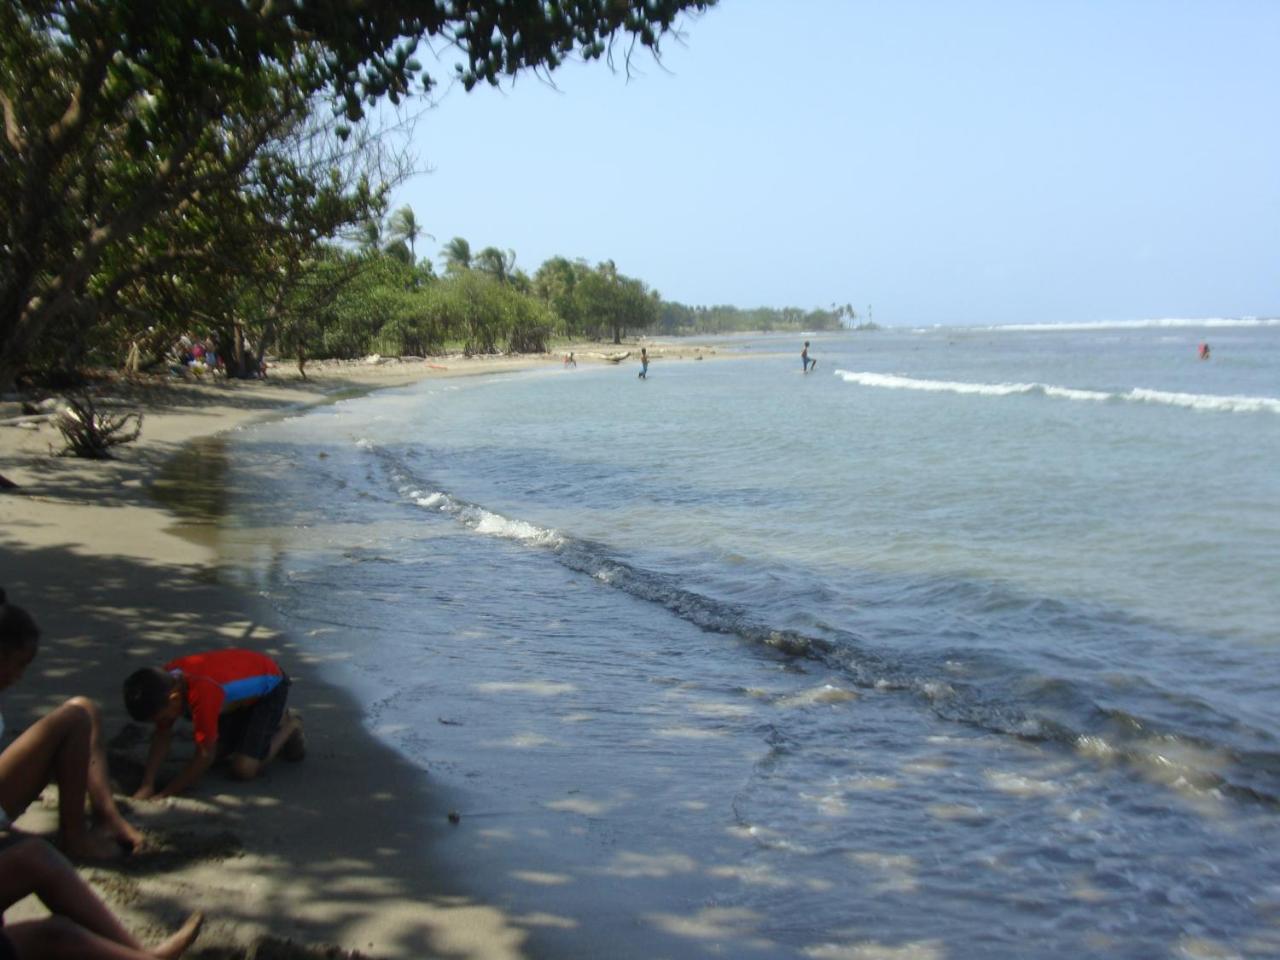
{"points": [[329, 857]]}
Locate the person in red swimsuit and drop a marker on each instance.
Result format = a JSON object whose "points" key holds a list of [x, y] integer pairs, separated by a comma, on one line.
{"points": [[236, 702]]}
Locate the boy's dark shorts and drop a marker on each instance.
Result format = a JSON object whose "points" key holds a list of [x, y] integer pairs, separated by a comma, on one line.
{"points": [[249, 730]]}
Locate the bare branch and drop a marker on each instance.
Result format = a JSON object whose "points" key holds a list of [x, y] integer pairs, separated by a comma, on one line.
{"points": [[63, 135]]}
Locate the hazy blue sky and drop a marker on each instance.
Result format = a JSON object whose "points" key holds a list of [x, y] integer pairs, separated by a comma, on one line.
{"points": [[968, 162]]}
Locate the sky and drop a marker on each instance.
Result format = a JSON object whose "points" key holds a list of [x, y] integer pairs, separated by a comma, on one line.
{"points": [[1039, 161]]}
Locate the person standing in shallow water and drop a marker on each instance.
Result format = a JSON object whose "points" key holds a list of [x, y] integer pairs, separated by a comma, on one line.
{"points": [[805, 360], [644, 364]]}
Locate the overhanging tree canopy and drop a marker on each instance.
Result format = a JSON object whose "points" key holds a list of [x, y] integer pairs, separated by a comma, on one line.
{"points": [[120, 113]]}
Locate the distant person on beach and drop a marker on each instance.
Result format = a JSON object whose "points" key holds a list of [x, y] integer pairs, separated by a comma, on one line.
{"points": [[1204, 350], [644, 364], [236, 702], [63, 747], [569, 360], [80, 926], [805, 360]]}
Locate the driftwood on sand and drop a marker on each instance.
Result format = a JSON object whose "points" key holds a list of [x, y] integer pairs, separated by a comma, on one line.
{"points": [[90, 434]]}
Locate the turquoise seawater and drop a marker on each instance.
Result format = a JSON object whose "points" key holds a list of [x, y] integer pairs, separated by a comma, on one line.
{"points": [[963, 641]]}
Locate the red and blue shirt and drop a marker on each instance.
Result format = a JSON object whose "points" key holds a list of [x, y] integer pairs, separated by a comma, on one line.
{"points": [[220, 681]]}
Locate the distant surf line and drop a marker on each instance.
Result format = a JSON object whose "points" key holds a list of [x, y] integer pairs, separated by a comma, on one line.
{"points": [[1162, 323], [1208, 402]]}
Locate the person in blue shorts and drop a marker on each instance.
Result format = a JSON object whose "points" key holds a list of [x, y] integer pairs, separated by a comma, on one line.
{"points": [[235, 700], [806, 361]]}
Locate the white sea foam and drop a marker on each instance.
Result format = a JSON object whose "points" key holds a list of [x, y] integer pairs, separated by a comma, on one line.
{"points": [[1193, 401], [1206, 401], [496, 525], [1020, 785], [827, 693], [937, 690], [1071, 393], [895, 382], [1153, 323]]}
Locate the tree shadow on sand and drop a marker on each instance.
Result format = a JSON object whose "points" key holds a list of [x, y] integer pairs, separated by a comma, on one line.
{"points": [[327, 851]]}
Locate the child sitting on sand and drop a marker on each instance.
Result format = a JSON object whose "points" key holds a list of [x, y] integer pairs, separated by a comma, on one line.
{"points": [[79, 926], [63, 747], [235, 700]]}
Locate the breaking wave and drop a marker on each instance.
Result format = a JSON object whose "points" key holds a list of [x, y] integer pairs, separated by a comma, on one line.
{"points": [[1173, 323], [1208, 402]]}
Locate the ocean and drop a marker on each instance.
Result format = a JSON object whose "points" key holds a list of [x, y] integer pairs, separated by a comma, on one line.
{"points": [[962, 645]]}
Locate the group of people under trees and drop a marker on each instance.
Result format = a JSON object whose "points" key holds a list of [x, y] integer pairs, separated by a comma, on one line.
{"points": [[201, 354], [237, 702]]}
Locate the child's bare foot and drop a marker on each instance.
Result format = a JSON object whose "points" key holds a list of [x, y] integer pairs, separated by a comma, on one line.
{"points": [[186, 934], [129, 837]]}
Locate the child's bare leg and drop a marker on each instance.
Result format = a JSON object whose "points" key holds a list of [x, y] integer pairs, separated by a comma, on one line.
{"points": [[33, 866], [55, 748], [244, 767], [60, 938], [99, 784], [183, 937], [290, 727]]}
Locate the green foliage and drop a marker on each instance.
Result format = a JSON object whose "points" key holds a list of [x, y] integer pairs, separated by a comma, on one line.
{"points": [[404, 228], [349, 304], [371, 296], [457, 256], [380, 310], [553, 284], [594, 302], [123, 120], [677, 319], [181, 167], [497, 264]]}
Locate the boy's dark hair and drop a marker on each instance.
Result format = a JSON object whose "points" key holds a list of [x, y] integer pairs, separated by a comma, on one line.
{"points": [[146, 692], [17, 627]]}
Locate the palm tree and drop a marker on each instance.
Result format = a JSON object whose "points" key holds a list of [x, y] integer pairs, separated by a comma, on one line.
{"points": [[403, 225], [497, 264], [370, 234], [457, 255]]}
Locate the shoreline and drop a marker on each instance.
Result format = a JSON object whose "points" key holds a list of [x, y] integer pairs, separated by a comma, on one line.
{"points": [[100, 562]]}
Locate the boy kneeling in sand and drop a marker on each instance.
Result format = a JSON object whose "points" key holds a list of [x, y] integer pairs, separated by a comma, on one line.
{"points": [[235, 700]]}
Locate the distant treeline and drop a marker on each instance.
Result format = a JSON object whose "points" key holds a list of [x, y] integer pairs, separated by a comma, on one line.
{"points": [[371, 293], [382, 299], [374, 294], [676, 319], [386, 300]]}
